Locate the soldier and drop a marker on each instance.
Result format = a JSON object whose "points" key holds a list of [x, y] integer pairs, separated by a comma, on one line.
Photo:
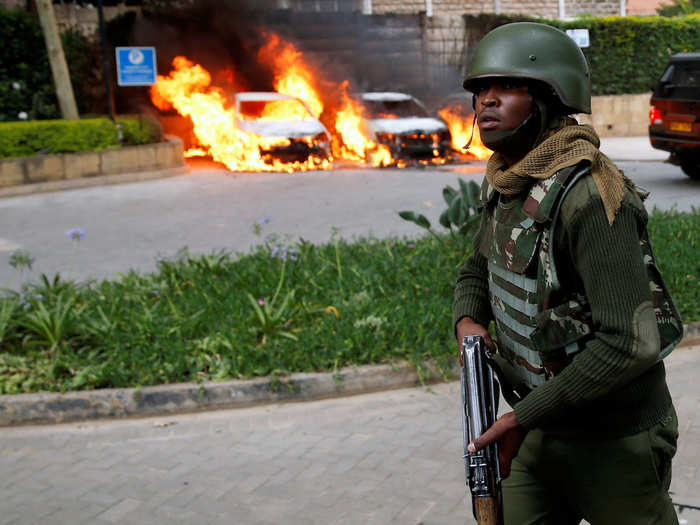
{"points": [[562, 265]]}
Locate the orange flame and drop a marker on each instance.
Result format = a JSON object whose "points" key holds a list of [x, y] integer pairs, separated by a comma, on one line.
{"points": [[188, 90], [461, 131], [292, 76], [354, 144], [195, 152]]}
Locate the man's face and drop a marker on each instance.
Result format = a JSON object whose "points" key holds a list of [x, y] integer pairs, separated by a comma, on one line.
{"points": [[502, 104]]}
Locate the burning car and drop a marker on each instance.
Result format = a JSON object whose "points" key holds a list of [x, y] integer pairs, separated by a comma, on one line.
{"points": [[458, 111], [283, 127], [403, 124]]}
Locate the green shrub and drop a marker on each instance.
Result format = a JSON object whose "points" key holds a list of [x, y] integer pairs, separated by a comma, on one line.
{"points": [[139, 129], [626, 55], [679, 8], [22, 139], [621, 45], [26, 84]]}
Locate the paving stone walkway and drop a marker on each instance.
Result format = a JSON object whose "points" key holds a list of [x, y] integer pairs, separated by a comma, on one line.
{"points": [[384, 458]]}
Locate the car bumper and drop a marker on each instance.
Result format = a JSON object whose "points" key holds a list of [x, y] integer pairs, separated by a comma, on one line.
{"points": [[295, 151], [673, 144], [411, 148]]}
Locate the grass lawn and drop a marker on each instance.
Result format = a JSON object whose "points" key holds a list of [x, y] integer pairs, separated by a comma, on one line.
{"points": [[285, 307]]}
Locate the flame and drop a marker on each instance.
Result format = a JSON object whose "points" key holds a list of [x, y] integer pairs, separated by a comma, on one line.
{"points": [[461, 131], [195, 152], [353, 143], [189, 89], [295, 78], [292, 76]]}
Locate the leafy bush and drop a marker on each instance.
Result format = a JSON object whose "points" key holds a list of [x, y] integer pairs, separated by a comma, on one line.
{"points": [[679, 8], [618, 46], [21, 139], [26, 84], [139, 129]]}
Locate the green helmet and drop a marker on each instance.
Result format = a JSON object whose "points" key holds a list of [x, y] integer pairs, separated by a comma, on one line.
{"points": [[535, 51]]}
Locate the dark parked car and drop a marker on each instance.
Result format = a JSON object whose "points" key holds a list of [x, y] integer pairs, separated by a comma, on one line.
{"points": [[675, 112]]}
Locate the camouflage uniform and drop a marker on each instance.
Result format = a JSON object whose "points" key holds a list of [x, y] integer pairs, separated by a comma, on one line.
{"points": [[580, 341], [539, 330], [543, 320]]}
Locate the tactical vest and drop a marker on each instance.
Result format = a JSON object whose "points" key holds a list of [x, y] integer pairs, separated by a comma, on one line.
{"points": [[534, 324]]}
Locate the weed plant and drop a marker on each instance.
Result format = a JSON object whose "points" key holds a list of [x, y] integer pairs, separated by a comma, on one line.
{"points": [[279, 309]]}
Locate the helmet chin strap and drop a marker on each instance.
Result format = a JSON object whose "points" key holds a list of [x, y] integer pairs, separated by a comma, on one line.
{"points": [[513, 141], [521, 139], [471, 137]]}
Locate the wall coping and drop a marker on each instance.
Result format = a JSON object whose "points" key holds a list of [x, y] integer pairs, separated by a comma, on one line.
{"points": [[40, 173]]}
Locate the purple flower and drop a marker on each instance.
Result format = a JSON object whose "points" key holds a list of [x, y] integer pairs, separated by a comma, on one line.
{"points": [[261, 302], [411, 246], [274, 252], [76, 234], [265, 220]]}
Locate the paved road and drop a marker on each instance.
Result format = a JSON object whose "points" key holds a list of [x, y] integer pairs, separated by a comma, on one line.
{"points": [[129, 225], [384, 458]]}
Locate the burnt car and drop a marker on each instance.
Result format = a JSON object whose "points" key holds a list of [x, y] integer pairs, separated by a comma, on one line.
{"points": [[284, 128], [401, 122], [674, 117]]}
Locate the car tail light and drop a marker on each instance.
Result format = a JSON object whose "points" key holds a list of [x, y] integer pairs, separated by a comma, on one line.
{"points": [[655, 115]]}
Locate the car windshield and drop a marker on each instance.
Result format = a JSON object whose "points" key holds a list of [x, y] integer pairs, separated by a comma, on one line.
{"points": [[273, 110], [393, 109]]}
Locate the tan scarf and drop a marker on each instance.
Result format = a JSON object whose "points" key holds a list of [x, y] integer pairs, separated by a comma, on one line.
{"points": [[566, 146]]}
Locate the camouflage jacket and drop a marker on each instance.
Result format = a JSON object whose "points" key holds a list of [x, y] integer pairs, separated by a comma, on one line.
{"points": [[539, 326]]}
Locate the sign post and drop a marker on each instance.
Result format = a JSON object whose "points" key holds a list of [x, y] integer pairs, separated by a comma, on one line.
{"points": [[136, 66]]}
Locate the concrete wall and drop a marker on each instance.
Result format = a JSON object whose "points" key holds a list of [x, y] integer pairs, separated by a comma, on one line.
{"points": [[619, 115], [70, 166]]}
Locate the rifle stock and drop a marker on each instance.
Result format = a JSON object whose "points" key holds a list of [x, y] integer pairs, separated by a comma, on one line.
{"points": [[479, 408]]}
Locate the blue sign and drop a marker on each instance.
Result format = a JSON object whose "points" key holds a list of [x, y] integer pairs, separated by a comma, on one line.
{"points": [[136, 66]]}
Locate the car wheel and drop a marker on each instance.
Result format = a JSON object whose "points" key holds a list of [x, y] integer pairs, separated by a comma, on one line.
{"points": [[691, 169]]}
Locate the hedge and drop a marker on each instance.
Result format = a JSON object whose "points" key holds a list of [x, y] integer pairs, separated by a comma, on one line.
{"points": [[22, 139], [139, 129], [629, 54]]}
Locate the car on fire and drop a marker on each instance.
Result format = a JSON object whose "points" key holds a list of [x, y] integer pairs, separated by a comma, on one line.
{"points": [[284, 125], [674, 117], [403, 124]]}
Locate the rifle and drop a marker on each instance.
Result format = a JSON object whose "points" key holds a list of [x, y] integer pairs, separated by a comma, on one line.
{"points": [[479, 407]]}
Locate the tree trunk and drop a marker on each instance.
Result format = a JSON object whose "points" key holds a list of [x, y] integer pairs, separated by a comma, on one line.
{"points": [[59, 69]]}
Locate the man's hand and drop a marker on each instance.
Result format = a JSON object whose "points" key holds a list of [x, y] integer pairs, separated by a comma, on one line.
{"points": [[467, 326], [509, 435]]}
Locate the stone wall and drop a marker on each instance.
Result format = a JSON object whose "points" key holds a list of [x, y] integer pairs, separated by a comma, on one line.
{"points": [[71, 166]]}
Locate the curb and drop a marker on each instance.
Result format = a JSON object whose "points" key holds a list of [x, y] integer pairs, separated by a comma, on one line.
{"points": [[98, 180], [178, 398], [159, 400]]}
